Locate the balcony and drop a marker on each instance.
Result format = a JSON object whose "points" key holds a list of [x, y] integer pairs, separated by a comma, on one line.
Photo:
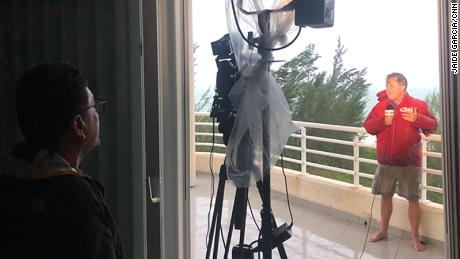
{"points": [[330, 203]]}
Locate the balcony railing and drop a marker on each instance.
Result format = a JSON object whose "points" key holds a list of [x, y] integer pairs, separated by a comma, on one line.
{"points": [[360, 140]]}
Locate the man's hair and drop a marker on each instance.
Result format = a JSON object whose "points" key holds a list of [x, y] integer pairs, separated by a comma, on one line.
{"points": [[399, 77], [47, 99]]}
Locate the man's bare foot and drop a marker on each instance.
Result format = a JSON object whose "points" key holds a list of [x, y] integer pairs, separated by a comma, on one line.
{"points": [[418, 246], [378, 236]]}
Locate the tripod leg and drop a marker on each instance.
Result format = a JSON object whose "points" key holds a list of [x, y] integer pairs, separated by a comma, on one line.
{"points": [[216, 237], [242, 200], [229, 236], [216, 217], [281, 249], [238, 218], [211, 232], [280, 246]]}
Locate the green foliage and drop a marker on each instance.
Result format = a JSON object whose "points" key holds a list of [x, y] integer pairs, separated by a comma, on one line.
{"points": [[205, 102], [433, 101], [314, 96]]}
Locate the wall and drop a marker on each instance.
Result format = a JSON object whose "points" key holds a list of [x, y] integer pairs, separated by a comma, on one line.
{"points": [[102, 38]]}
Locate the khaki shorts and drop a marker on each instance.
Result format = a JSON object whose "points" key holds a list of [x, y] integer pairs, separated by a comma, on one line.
{"points": [[407, 177]]}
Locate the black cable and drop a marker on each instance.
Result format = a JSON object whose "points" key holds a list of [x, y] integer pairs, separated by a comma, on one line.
{"points": [[368, 228], [253, 218], [257, 240], [257, 225], [211, 162], [289, 206], [222, 236], [255, 45], [258, 228], [287, 192]]}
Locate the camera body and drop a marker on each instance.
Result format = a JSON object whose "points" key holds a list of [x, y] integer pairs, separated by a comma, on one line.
{"points": [[227, 75]]}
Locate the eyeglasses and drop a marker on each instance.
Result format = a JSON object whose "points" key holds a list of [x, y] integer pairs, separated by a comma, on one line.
{"points": [[99, 105]]}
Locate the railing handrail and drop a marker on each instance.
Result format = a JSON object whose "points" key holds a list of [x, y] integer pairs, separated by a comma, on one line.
{"points": [[334, 127], [431, 137], [356, 143]]}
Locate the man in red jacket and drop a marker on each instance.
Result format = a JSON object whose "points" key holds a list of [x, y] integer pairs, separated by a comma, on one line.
{"points": [[397, 120]]}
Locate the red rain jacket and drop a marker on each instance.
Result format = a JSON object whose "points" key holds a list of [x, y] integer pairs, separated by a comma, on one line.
{"points": [[399, 143]]}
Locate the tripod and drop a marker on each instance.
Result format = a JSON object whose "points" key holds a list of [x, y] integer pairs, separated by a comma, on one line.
{"points": [[238, 221], [271, 235]]}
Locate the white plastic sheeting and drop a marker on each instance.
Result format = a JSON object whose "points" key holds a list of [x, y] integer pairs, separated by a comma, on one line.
{"points": [[258, 99]]}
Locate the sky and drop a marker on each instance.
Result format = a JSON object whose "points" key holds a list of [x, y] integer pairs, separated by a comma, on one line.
{"points": [[382, 36]]}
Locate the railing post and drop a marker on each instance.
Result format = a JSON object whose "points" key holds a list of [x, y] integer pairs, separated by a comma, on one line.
{"points": [[356, 160], [424, 167], [303, 146]]}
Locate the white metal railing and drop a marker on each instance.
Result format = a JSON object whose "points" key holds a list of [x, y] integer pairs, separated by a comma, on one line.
{"points": [[356, 143]]}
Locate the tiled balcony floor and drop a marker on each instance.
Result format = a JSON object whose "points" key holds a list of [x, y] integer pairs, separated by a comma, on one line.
{"points": [[318, 232]]}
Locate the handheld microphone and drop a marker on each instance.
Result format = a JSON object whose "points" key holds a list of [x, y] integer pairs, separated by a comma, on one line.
{"points": [[390, 110]]}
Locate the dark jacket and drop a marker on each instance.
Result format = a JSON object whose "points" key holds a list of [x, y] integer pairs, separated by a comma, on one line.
{"points": [[51, 210], [399, 143]]}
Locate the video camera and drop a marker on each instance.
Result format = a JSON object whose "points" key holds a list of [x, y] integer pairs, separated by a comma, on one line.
{"points": [[227, 75]]}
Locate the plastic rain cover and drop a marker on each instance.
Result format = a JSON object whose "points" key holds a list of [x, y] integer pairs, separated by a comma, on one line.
{"points": [[257, 97]]}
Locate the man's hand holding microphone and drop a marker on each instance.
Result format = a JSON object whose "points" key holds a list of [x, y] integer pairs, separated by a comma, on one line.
{"points": [[389, 114], [409, 115]]}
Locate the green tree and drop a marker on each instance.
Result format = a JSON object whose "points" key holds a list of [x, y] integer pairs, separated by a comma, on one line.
{"points": [[316, 96], [433, 101], [313, 96], [205, 102]]}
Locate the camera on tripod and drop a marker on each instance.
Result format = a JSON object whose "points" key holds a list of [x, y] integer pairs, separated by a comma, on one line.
{"points": [[225, 113], [227, 75]]}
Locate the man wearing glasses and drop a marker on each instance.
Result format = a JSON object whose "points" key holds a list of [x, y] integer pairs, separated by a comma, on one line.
{"points": [[49, 208]]}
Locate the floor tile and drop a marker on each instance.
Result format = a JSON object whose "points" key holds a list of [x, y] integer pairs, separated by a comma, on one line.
{"points": [[407, 251], [316, 233]]}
